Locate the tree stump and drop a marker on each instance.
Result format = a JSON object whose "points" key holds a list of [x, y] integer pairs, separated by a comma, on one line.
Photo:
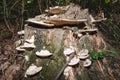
{"points": [[56, 40], [73, 33]]}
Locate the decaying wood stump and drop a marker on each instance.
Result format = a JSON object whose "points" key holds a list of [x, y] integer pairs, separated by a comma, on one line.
{"points": [[56, 40], [73, 30]]}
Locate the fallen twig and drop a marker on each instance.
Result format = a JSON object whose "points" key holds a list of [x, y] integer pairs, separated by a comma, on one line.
{"points": [[61, 71]]}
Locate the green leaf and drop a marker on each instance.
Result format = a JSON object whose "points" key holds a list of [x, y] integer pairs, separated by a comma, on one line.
{"points": [[101, 55], [95, 57]]}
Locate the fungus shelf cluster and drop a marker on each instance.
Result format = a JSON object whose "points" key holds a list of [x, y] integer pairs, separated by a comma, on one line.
{"points": [[23, 45], [61, 31]]}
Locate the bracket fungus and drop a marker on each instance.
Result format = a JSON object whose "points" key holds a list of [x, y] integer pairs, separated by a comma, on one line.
{"points": [[22, 32], [32, 70], [43, 53], [26, 57], [54, 16], [79, 35], [25, 46], [20, 49], [31, 40], [83, 54], [28, 46], [68, 51], [55, 11], [67, 71], [87, 63], [74, 61], [60, 22], [39, 22]]}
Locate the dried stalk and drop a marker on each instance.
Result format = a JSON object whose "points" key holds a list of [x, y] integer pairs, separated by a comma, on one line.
{"points": [[61, 71], [14, 4], [95, 21], [22, 13], [40, 7], [100, 68], [5, 14]]}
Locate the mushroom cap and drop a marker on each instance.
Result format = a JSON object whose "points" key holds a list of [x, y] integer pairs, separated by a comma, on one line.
{"points": [[79, 35], [74, 61], [32, 70], [21, 32], [68, 51], [67, 71], [54, 16], [39, 22], [20, 49], [31, 40], [60, 22], [26, 57], [43, 53], [83, 54], [87, 63], [28, 45]]}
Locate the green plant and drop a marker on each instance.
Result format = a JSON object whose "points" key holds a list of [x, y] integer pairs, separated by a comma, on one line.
{"points": [[96, 55], [100, 55]]}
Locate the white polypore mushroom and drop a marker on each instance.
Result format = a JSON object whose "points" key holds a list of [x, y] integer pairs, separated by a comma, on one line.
{"points": [[20, 49], [26, 57], [32, 70], [31, 40], [21, 32], [43, 53], [54, 16], [67, 72], [74, 61], [83, 54], [68, 51], [87, 63], [79, 35], [28, 46]]}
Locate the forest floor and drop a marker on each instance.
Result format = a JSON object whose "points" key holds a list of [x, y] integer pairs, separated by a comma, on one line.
{"points": [[11, 62]]}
